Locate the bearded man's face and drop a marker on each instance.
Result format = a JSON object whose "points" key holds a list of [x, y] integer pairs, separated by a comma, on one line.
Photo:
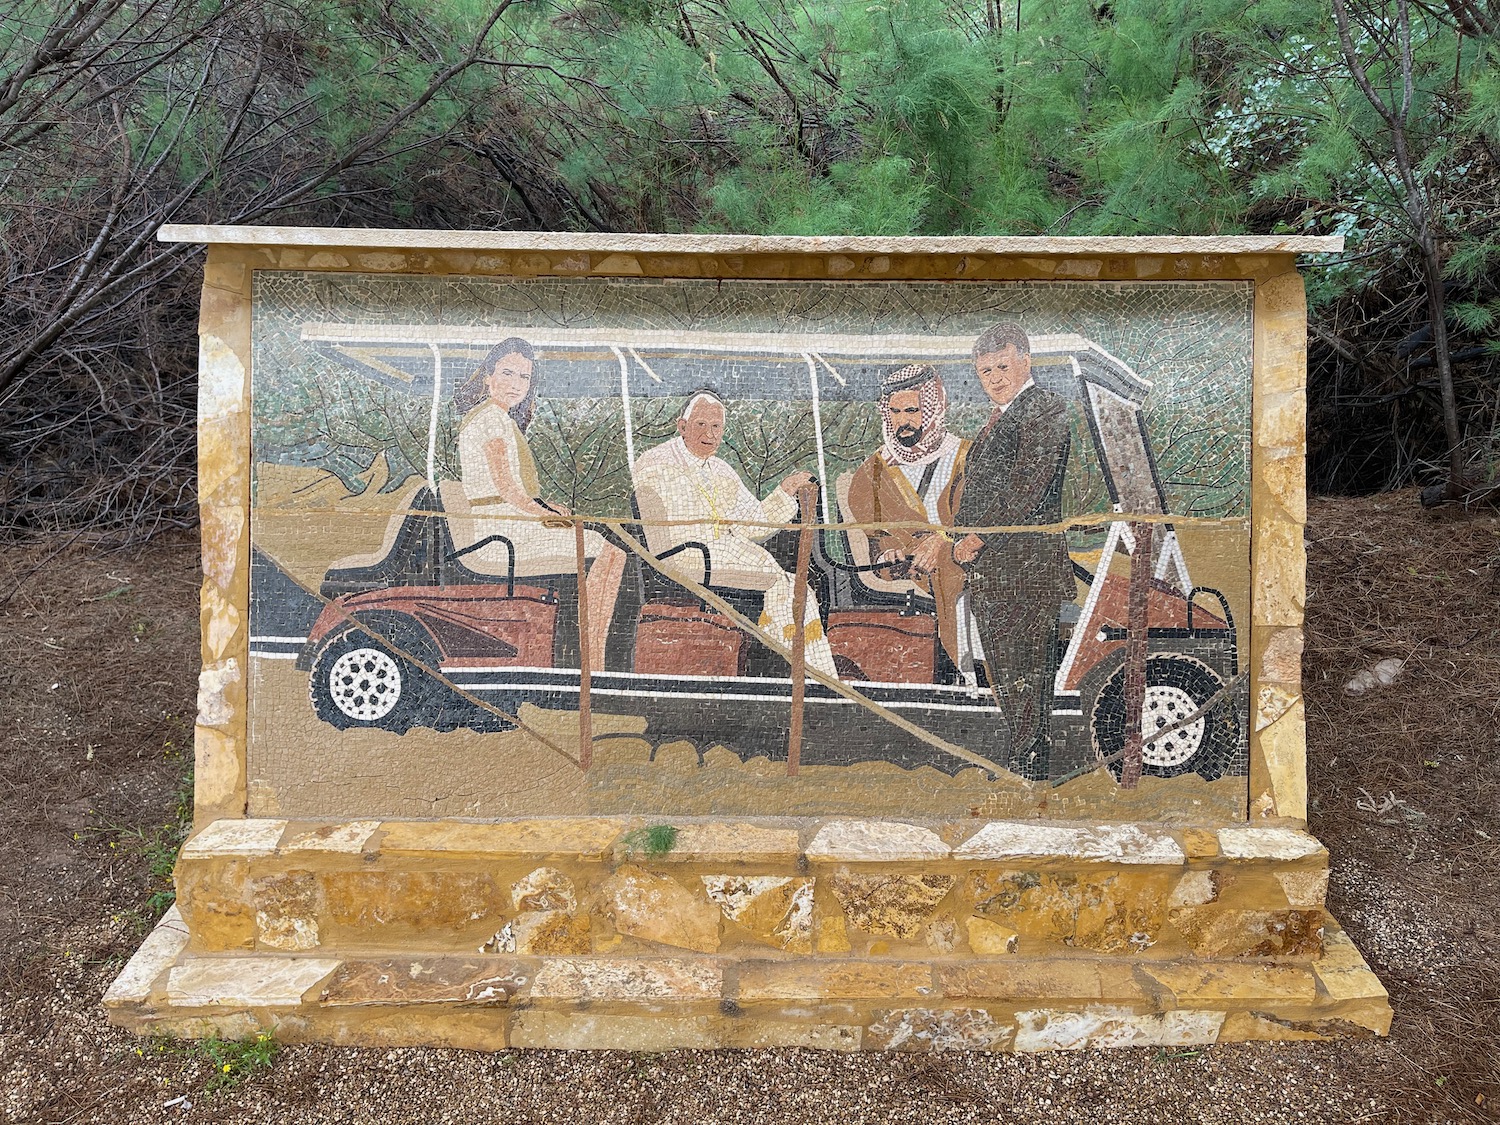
{"points": [[906, 416]]}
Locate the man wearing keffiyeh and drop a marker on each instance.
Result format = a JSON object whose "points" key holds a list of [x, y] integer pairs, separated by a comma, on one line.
{"points": [[916, 476]]}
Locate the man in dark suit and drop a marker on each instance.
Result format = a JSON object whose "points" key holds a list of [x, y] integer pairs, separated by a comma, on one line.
{"points": [[1017, 580]]}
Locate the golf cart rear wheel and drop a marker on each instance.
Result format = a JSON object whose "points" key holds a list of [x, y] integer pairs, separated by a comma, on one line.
{"points": [[1180, 739]]}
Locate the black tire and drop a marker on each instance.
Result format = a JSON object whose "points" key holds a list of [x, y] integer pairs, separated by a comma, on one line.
{"points": [[1176, 687], [358, 681]]}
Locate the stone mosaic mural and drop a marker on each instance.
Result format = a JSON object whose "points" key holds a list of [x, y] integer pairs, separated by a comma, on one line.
{"points": [[749, 548]]}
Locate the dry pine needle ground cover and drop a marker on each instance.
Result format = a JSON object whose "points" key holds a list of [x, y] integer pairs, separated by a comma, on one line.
{"points": [[98, 660]]}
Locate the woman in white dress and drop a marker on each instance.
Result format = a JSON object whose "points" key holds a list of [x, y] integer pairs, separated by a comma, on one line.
{"points": [[500, 480]]}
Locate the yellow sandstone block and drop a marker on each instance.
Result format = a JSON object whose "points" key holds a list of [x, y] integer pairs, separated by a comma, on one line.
{"points": [[584, 837], [1215, 986], [986, 937], [843, 980]]}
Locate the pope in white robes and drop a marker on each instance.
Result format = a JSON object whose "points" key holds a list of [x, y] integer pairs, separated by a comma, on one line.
{"points": [[687, 493]]}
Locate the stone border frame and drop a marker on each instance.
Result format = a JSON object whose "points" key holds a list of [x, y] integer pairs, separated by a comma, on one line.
{"points": [[1278, 774]]}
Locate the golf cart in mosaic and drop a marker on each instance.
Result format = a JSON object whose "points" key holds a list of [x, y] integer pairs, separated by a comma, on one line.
{"points": [[421, 632]]}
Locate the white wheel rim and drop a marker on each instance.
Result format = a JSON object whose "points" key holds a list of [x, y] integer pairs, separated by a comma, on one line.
{"points": [[1166, 706], [365, 684]]}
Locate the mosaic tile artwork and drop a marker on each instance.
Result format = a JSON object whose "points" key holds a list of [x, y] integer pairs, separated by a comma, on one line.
{"points": [[559, 546]]}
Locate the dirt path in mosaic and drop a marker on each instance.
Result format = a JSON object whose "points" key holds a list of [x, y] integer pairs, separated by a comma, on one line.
{"points": [[98, 659]]}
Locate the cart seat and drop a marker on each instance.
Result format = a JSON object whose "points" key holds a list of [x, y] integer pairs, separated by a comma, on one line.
{"points": [[367, 559], [468, 527]]}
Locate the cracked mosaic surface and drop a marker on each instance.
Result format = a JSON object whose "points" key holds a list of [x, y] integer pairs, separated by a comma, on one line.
{"points": [[390, 677]]}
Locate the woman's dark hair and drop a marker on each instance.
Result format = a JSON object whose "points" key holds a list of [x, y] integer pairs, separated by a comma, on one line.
{"points": [[472, 391]]}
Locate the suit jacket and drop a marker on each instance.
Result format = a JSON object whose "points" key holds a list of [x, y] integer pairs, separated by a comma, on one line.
{"points": [[1014, 476]]}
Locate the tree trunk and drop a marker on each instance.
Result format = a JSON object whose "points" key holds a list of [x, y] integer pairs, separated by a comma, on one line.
{"points": [[1432, 267]]}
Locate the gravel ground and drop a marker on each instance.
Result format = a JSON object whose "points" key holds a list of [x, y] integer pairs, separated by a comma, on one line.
{"points": [[97, 667]]}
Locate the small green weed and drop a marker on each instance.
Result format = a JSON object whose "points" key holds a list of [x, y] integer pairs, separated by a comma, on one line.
{"points": [[233, 1060], [157, 845], [236, 1059], [655, 840]]}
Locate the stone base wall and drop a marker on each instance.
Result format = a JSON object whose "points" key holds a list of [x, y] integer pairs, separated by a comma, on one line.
{"points": [[836, 934]]}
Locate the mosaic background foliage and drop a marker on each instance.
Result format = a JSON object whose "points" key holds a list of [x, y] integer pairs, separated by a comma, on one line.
{"points": [[1191, 340]]}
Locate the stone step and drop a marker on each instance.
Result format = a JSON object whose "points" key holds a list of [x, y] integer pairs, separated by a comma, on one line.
{"points": [[494, 1001], [822, 890]]}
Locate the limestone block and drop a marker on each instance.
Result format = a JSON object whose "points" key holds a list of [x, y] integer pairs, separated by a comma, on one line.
{"points": [[898, 905], [551, 931], [1281, 659], [1044, 1030], [1272, 702], [223, 1025], [936, 1029], [348, 838], [221, 379], [572, 1031], [546, 888], [327, 260], [875, 841], [1280, 566], [1214, 932], [942, 934], [1344, 975], [1281, 332], [222, 533], [1014, 979], [581, 837], [216, 913], [659, 909], [832, 980], [286, 911], [426, 901], [224, 273], [1200, 843], [1281, 423], [218, 775], [246, 982], [1215, 986], [1079, 267], [986, 937], [1283, 482], [234, 838], [776, 909], [832, 934], [214, 706], [1196, 888], [1125, 843], [475, 1028], [753, 1032], [157, 953], [1109, 913], [1269, 843], [427, 980], [1304, 888], [725, 842], [1248, 1027], [636, 979], [220, 623], [382, 262], [1281, 776], [627, 264]]}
